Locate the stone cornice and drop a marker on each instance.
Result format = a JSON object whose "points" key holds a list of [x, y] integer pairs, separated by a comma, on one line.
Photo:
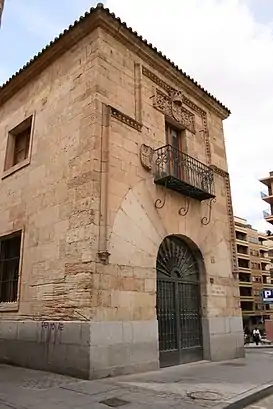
{"points": [[127, 120]]}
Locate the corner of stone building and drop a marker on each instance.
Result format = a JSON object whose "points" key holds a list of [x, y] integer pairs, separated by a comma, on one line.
{"points": [[223, 338], [123, 347]]}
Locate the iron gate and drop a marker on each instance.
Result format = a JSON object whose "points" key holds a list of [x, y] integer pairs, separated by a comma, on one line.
{"points": [[178, 304]]}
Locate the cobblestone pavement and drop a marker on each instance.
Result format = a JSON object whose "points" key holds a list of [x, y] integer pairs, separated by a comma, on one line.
{"points": [[194, 386]]}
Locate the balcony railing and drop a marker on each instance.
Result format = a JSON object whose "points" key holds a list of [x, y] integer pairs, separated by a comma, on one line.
{"points": [[182, 173]]}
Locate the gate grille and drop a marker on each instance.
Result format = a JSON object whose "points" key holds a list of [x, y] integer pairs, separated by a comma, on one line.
{"points": [[178, 303]]}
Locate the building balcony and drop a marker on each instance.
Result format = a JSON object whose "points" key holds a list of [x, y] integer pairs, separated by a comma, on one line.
{"points": [[265, 285], [242, 242], [180, 172], [246, 269], [267, 198], [252, 313], [245, 284], [247, 298], [265, 259], [240, 229], [268, 217], [243, 255], [268, 180]]}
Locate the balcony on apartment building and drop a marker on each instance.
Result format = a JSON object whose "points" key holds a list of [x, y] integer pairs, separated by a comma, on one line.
{"points": [[268, 181], [264, 256], [246, 294], [270, 279], [241, 237], [265, 267], [243, 264], [245, 279], [266, 279], [180, 172], [268, 197], [242, 251], [268, 217], [247, 307]]}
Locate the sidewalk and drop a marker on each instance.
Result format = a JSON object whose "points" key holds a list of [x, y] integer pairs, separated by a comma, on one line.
{"points": [[193, 386]]}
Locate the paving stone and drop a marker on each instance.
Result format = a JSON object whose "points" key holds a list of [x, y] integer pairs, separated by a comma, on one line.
{"points": [[193, 386]]}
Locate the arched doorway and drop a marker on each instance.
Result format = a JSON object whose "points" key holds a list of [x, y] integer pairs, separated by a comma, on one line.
{"points": [[178, 303]]}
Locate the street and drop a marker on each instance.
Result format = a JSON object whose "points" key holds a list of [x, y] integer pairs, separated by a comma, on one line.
{"points": [[191, 386], [263, 404]]}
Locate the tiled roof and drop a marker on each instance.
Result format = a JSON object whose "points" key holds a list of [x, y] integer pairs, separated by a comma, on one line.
{"points": [[139, 37]]}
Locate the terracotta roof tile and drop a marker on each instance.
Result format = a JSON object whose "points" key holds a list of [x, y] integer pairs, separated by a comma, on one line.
{"points": [[112, 15]]}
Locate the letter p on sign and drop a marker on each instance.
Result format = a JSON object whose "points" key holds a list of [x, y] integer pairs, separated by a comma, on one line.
{"points": [[267, 294]]}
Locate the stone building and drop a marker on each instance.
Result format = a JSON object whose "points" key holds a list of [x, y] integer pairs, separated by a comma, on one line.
{"points": [[254, 262], [117, 237]]}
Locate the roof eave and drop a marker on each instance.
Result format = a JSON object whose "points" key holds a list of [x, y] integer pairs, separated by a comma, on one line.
{"points": [[49, 54], [85, 25]]}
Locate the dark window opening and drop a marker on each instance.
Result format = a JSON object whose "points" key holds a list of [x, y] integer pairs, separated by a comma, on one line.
{"points": [[18, 144], [21, 146], [245, 292], [247, 306], [246, 278], [9, 267], [243, 263], [241, 236], [242, 249]]}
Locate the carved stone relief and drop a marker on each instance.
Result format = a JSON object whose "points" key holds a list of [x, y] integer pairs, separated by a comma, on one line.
{"points": [[186, 102], [171, 105], [146, 156]]}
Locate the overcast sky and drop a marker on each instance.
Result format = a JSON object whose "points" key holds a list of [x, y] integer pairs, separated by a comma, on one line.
{"points": [[227, 45]]}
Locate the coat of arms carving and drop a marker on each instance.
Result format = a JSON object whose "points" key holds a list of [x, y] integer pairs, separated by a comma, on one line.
{"points": [[172, 105], [146, 156]]}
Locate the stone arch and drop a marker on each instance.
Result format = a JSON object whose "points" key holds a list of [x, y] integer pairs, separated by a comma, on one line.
{"points": [[179, 270]]}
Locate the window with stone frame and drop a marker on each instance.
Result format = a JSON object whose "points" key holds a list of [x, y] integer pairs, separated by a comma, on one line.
{"points": [[10, 247], [18, 144]]}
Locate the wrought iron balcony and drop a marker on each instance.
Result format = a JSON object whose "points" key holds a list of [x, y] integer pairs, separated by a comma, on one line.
{"points": [[182, 173]]}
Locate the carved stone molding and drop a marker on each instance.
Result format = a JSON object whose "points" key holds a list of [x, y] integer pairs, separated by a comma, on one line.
{"points": [[219, 171], [149, 74], [224, 174], [127, 120], [170, 90], [104, 256], [171, 105], [186, 102], [146, 156]]}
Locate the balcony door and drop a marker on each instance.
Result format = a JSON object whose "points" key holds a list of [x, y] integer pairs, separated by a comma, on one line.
{"points": [[174, 139]]}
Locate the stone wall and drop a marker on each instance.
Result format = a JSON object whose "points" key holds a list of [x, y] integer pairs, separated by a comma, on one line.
{"points": [[55, 199]]}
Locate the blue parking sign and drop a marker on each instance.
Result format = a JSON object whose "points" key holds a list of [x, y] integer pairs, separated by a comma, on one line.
{"points": [[267, 295]]}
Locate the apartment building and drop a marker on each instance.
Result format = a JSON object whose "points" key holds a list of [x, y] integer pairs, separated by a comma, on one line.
{"points": [[254, 272], [111, 161]]}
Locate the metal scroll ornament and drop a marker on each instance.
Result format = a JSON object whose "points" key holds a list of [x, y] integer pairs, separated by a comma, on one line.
{"points": [[206, 219]]}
